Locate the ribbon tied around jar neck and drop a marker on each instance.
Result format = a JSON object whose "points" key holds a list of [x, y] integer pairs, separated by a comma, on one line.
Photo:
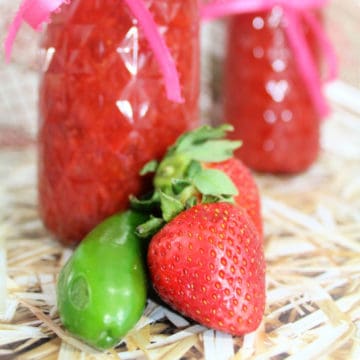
{"points": [[294, 12], [38, 12]]}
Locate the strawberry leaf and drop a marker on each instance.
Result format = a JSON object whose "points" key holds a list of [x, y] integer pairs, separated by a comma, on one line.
{"points": [[145, 204], [170, 206], [214, 182], [213, 151], [179, 185], [149, 167], [193, 168], [206, 144], [200, 135], [207, 199], [192, 201]]}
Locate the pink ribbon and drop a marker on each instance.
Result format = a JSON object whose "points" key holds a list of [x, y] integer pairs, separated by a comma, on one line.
{"points": [[37, 12], [294, 12]]}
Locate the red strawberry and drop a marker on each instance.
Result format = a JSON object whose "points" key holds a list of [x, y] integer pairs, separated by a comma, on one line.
{"points": [[248, 196], [208, 264]]}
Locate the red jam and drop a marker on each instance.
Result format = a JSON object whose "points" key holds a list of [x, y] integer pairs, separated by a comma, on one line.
{"points": [[103, 107], [265, 96]]}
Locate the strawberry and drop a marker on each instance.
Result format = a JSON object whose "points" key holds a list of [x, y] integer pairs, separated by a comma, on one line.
{"points": [[206, 255], [208, 264], [248, 193]]}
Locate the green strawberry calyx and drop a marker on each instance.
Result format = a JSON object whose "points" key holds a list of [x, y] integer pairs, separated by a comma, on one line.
{"points": [[181, 180]]}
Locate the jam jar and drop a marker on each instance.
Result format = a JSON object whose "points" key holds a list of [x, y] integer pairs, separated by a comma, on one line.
{"points": [[265, 97], [103, 109]]}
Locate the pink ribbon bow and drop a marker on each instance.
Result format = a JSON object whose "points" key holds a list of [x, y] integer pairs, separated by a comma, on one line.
{"points": [[37, 12], [294, 11]]}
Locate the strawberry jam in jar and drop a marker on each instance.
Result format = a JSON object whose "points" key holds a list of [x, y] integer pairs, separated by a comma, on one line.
{"points": [[265, 96], [103, 108]]}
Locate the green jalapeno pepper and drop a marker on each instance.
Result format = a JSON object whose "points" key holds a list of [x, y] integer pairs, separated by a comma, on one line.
{"points": [[101, 290]]}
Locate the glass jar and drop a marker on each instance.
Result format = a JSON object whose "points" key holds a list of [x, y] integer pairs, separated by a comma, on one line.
{"points": [[265, 96], [103, 108]]}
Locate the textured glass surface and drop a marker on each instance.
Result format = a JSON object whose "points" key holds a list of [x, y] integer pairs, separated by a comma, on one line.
{"points": [[103, 107], [265, 97]]}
